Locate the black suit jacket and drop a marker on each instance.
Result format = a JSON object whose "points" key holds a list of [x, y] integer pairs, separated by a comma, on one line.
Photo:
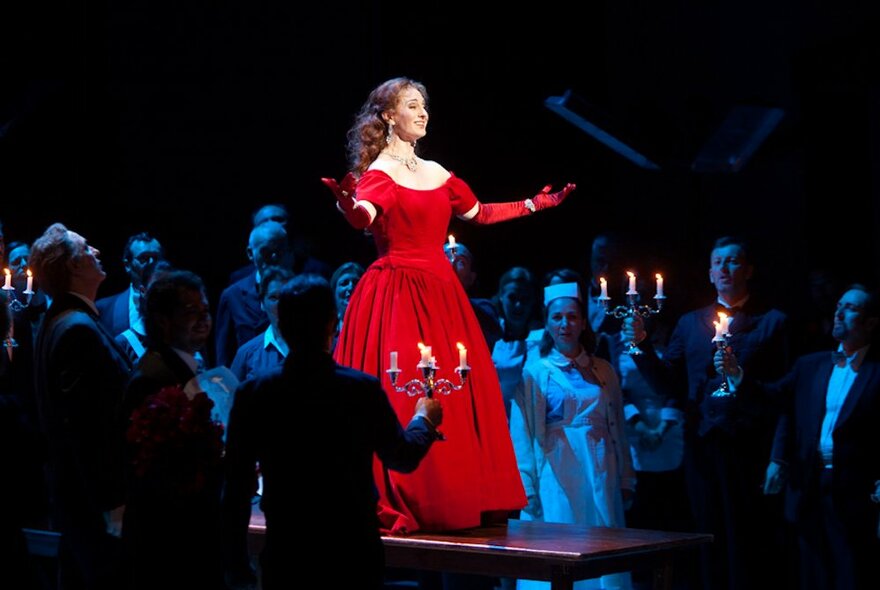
{"points": [[239, 318], [159, 367], [856, 459], [314, 426], [113, 311], [80, 376], [759, 338]]}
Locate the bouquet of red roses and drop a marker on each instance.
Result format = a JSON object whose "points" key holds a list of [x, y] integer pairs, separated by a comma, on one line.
{"points": [[176, 445]]}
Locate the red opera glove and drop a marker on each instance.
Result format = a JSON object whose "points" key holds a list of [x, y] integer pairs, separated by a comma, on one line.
{"points": [[357, 216], [495, 212]]}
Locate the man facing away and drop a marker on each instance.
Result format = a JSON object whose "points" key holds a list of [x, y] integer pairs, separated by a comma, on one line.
{"points": [[323, 422]]}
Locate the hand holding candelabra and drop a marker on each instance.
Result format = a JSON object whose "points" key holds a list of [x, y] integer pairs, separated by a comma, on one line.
{"points": [[429, 384], [632, 308], [723, 354]]}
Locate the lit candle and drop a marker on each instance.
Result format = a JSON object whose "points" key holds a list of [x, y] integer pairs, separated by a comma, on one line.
{"points": [[426, 355], [632, 283], [30, 283], [394, 361], [462, 356], [8, 284], [659, 284], [451, 242], [717, 331], [603, 284], [725, 322]]}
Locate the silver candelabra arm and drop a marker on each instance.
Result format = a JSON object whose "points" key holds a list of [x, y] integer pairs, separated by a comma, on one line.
{"points": [[428, 385], [632, 309], [15, 304]]}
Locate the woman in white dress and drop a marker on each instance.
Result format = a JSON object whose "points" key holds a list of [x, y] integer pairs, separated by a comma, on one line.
{"points": [[567, 427]]}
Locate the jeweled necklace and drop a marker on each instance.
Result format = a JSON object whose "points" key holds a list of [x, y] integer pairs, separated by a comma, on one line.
{"points": [[411, 163]]}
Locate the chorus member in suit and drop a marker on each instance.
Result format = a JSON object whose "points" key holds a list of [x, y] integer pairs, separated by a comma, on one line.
{"points": [[268, 350], [80, 375], [165, 554], [825, 452], [121, 311], [262, 430], [727, 439], [239, 315], [568, 430]]}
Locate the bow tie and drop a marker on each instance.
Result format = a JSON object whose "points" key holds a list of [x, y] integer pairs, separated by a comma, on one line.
{"points": [[839, 358], [730, 311]]}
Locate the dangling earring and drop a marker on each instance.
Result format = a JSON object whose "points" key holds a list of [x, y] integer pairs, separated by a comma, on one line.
{"points": [[390, 130]]}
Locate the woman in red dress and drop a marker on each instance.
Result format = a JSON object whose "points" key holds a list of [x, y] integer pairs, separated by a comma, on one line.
{"points": [[410, 294]]}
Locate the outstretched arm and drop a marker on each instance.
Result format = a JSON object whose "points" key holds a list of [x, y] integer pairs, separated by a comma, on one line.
{"points": [[485, 213], [359, 214]]}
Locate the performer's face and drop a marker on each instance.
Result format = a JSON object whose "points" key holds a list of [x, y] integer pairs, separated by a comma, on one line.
{"points": [[410, 115], [729, 271], [852, 325], [566, 323]]}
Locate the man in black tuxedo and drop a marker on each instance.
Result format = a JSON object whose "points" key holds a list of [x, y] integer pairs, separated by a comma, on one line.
{"points": [[239, 314], [121, 311], [826, 453], [80, 375], [163, 554], [313, 427], [727, 439]]}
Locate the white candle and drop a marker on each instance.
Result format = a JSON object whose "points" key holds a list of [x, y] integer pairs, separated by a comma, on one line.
{"points": [[30, 282], [462, 356], [632, 283], [717, 331], [451, 241], [426, 355], [8, 283], [603, 284], [434, 362], [725, 322], [394, 361], [659, 284]]}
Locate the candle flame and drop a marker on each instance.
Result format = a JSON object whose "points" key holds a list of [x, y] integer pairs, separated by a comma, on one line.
{"points": [[602, 281], [722, 316], [6, 270], [659, 276], [421, 346], [460, 346], [29, 273], [630, 274]]}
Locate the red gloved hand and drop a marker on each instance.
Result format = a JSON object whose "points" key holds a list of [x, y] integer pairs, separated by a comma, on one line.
{"points": [[495, 212], [546, 199], [344, 192]]}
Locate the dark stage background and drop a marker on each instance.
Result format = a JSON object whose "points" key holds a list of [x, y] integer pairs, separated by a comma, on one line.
{"points": [[179, 118]]}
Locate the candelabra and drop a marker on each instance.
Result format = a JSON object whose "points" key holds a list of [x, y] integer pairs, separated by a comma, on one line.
{"points": [[722, 342], [428, 385], [632, 309], [15, 303]]}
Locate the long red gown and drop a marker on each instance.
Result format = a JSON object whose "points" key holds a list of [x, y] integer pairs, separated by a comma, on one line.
{"points": [[411, 294]]}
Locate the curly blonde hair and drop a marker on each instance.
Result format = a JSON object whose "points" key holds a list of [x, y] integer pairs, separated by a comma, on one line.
{"points": [[366, 138]]}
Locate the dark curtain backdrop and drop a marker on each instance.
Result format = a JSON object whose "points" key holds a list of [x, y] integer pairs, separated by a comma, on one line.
{"points": [[179, 118]]}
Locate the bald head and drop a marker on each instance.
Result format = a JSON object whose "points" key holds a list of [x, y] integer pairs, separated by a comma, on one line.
{"points": [[268, 245]]}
